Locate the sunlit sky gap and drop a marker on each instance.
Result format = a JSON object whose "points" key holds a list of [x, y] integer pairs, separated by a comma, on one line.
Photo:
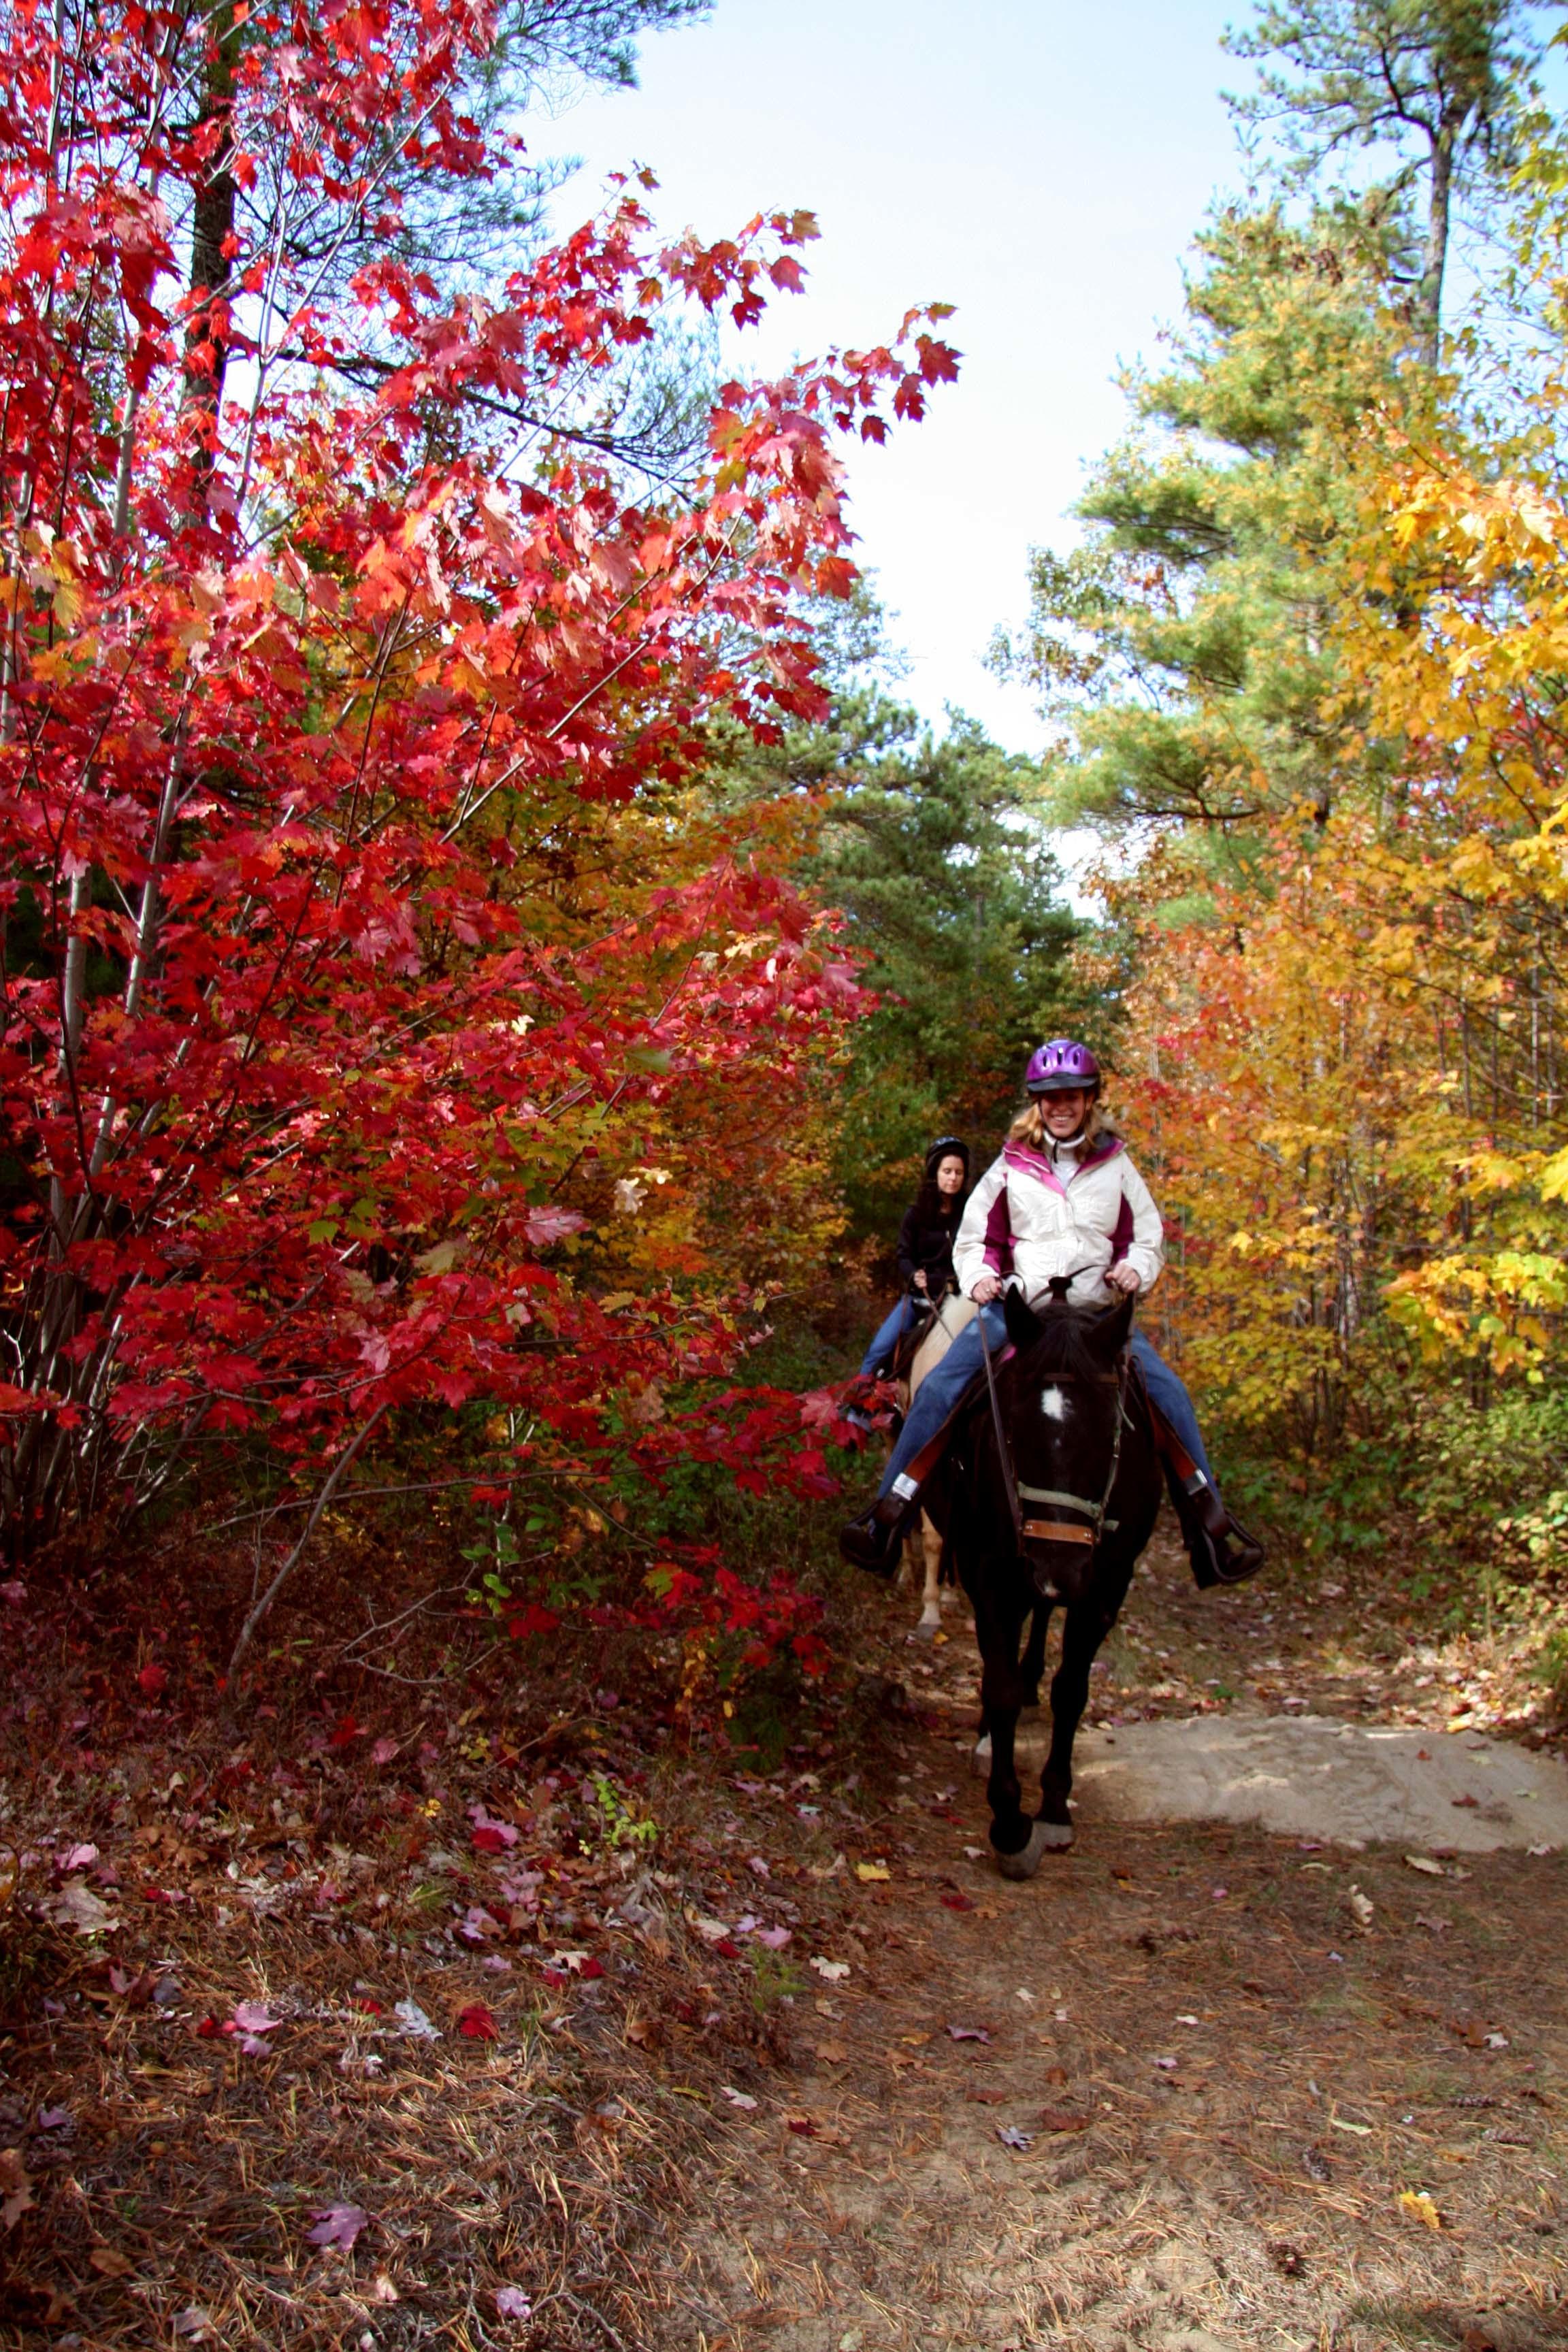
{"points": [[1042, 166]]}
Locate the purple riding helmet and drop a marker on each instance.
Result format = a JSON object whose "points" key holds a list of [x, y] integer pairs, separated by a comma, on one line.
{"points": [[1059, 1066]]}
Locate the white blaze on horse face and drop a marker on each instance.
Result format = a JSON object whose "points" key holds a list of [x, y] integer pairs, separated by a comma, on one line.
{"points": [[1054, 1404]]}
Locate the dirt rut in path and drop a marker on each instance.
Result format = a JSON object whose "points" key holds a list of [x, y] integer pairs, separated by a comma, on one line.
{"points": [[1193, 2087]]}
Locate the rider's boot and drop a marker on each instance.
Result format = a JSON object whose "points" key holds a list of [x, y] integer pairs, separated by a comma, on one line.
{"points": [[1221, 1549], [873, 1541]]}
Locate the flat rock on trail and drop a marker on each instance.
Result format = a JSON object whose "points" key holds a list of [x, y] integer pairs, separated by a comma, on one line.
{"points": [[1312, 1776], [1198, 2087]]}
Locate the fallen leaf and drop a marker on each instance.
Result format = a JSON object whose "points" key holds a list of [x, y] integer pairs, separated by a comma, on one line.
{"points": [[383, 1753], [1010, 2137], [382, 2289], [712, 1931], [1361, 2131], [1360, 1908], [109, 2262], [15, 2188], [1466, 1803], [1424, 1863], [254, 2017], [868, 1871], [476, 2022], [53, 2120], [968, 2034], [643, 2032], [512, 2304], [833, 1970], [76, 1905], [336, 2225], [917, 2039], [1060, 2119], [958, 1902], [1416, 2206], [988, 2098], [775, 1939], [737, 2098], [415, 2025], [1529, 1849], [1497, 2041]]}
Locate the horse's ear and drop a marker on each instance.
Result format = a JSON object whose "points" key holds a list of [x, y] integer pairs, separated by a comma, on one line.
{"points": [[1023, 1324], [1114, 1328]]}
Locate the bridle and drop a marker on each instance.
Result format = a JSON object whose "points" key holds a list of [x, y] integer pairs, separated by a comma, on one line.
{"points": [[1018, 1493]]}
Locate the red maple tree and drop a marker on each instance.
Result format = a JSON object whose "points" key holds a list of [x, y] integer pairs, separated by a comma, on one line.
{"points": [[328, 593]]}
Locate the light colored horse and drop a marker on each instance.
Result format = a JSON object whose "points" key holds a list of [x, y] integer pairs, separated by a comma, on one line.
{"points": [[923, 1544]]}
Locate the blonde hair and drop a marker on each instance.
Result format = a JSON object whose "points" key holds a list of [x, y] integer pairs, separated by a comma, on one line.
{"points": [[1029, 1126]]}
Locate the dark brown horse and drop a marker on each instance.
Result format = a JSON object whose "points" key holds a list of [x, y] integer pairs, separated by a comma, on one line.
{"points": [[1050, 1510]]}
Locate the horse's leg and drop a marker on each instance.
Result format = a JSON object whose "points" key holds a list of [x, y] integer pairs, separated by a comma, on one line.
{"points": [[931, 1597], [998, 1622], [1033, 1664], [1088, 1622]]}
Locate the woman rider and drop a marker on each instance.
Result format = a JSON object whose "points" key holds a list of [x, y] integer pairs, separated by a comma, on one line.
{"points": [[925, 1246], [1063, 1199]]}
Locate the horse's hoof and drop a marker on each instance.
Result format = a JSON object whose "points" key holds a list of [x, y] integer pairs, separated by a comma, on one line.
{"points": [[1056, 1835], [924, 1633], [1025, 1863], [980, 1757]]}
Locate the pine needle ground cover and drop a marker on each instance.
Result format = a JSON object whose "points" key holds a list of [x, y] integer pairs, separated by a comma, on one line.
{"points": [[521, 2013]]}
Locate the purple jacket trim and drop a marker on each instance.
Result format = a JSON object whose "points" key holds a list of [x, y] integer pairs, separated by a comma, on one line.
{"points": [[1030, 1162], [999, 1235], [1122, 1232]]}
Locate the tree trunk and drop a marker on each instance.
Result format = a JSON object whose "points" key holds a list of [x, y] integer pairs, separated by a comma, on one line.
{"points": [[211, 225], [1435, 262]]}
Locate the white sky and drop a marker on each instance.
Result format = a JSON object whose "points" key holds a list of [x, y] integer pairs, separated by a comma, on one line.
{"points": [[1040, 163]]}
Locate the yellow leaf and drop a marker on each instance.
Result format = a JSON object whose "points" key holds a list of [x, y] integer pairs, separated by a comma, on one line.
{"points": [[868, 1870], [1416, 2206]]}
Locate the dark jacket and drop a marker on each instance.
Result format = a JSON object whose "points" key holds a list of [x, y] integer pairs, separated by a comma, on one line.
{"points": [[926, 1239]]}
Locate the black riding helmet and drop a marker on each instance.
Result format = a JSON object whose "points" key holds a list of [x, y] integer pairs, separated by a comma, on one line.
{"points": [[945, 1147]]}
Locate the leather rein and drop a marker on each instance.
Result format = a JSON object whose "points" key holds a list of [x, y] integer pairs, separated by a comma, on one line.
{"points": [[1055, 1530]]}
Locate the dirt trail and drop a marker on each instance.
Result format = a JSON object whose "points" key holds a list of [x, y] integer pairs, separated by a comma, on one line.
{"points": [[1194, 2086]]}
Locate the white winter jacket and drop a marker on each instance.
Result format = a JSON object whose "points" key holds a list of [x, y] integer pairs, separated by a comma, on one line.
{"points": [[1034, 1214]]}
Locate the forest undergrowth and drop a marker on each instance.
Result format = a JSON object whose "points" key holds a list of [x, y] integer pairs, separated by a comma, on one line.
{"points": [[511, 1994]]}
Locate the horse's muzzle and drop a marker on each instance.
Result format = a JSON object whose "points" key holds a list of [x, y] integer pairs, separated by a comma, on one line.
{"points": [[1058, 1572]]}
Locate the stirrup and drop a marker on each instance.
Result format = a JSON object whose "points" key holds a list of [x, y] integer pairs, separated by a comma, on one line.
{"points": [[873, 1541]]}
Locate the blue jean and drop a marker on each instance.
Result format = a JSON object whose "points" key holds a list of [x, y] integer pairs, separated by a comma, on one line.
{"points": [[881, 1351], [942, 1389]]}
